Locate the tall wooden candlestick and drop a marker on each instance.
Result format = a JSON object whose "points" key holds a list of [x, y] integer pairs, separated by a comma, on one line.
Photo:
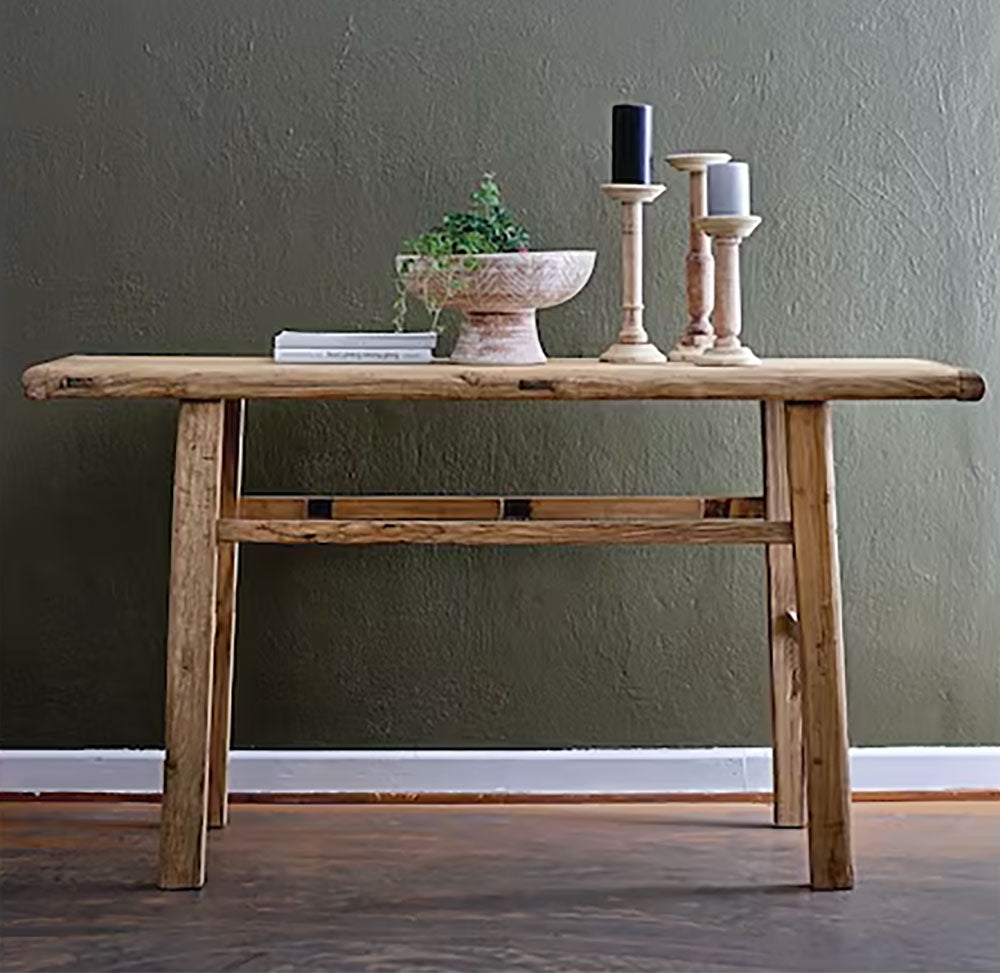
{"points": [[728, 233], [633, 345], [699, 266]]}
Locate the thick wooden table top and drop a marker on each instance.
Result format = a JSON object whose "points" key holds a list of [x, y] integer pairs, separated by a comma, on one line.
{"points": [[795, 379]]}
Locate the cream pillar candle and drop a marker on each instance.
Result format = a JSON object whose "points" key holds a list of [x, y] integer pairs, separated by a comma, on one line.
{"points": [[729, 189]]}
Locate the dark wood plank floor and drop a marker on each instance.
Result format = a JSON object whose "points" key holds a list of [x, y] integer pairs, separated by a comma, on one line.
{"points": [[592, 887]]}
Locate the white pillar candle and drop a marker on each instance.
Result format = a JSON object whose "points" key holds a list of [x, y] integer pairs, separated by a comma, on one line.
{"points": [[729, 189]]}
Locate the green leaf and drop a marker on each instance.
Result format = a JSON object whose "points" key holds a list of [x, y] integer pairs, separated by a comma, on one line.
{"points": [[487, 227]]}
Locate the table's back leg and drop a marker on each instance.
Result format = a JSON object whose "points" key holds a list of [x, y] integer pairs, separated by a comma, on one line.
{"points": [[225, 620], [190, 636], [786, 677], [814, 527]]}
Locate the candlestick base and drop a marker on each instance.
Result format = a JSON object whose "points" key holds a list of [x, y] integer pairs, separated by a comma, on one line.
{"points": [[682, 352], [644, 354], [733, 355]]}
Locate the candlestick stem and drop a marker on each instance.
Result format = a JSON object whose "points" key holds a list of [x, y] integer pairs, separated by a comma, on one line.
{"points": [[633, 345], [728, 232], [699, 265]]}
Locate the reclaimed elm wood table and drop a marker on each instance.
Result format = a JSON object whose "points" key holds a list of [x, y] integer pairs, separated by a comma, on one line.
{"points": [[794, 519]]}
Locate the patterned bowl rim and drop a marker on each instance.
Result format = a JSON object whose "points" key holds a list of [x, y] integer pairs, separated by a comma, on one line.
{"points": [[510, 254]]}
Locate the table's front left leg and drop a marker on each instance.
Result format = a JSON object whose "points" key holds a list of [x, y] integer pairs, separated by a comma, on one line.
{"points": [[190, 636], [821, 640], [225, 627]]}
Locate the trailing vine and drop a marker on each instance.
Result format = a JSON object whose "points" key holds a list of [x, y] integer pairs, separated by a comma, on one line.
{"points": [[451, 246]]}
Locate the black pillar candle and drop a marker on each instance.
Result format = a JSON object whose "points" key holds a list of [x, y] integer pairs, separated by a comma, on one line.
{"points": [[631, 143]]}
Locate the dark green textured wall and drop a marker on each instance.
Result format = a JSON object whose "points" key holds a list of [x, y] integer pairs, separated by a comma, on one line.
{"points": [[191, 177]]}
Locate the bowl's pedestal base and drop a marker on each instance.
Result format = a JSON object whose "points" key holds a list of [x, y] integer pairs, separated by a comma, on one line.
{"points": [[498, 338]]}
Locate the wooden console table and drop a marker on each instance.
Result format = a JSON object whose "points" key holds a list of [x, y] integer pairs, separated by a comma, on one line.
{"points": [[794, 519]]}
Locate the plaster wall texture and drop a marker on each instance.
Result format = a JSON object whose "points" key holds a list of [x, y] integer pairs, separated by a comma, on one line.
{"points": [[188, 177]]}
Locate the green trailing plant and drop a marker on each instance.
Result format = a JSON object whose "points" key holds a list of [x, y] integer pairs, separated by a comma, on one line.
{"points": [[488, 226]]}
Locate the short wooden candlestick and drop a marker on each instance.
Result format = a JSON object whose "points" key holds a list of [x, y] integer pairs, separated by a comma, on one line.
{"points": [[728, 233], [699, 266], [633, 345]]}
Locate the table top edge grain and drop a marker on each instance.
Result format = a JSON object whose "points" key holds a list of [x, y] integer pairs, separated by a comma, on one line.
{"points": [[567, 379]]}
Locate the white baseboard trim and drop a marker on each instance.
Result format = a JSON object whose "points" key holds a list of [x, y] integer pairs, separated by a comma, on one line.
{"points": [[722, 770]]}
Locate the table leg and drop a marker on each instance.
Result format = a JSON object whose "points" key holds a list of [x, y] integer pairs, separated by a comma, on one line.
{"points": [[225, 625], [190, 634], [814, 528], [788, 762]]}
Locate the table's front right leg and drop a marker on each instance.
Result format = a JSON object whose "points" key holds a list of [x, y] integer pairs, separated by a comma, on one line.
{"points": [[190, 637], [824, 705]]}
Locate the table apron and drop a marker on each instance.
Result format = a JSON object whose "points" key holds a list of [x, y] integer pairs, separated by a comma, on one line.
{"points": [[505, 532]]}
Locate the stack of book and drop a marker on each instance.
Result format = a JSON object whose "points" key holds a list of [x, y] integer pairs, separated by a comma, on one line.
{"points": [[354, 347]]}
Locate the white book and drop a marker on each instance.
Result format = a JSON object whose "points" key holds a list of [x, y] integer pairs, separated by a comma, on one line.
{"points": [[353, 356], [355, 339]]}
